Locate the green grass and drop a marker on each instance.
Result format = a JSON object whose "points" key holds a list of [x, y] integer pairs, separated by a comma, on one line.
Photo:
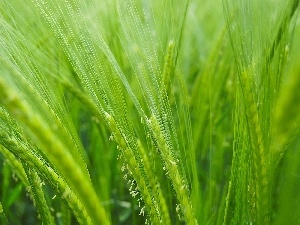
{"points": [[156, 112]]}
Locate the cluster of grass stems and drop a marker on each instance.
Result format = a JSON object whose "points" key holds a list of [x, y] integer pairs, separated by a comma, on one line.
{"points": [[156, 112]]}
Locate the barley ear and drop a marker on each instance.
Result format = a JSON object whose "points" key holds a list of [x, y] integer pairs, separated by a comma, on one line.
{"points": [[172, 168], [168, 67], [15, 164], [259, 154], [155, 186], [36, 189], [28, 156], [136, 171], [56, 152]]}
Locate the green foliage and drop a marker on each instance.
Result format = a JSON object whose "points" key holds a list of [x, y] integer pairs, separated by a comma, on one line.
{"points": [[155, 112]]}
